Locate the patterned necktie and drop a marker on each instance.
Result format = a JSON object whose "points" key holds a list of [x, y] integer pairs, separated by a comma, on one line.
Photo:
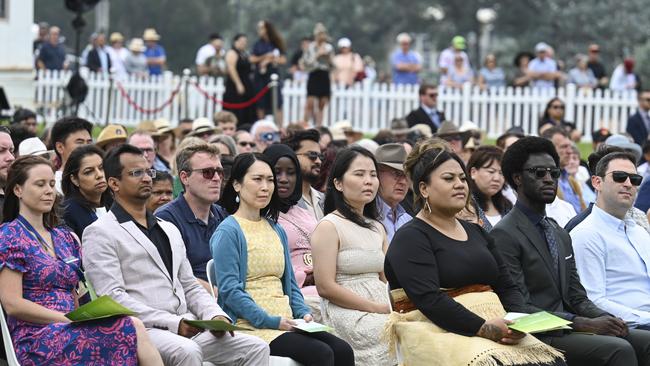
{"points": [[551, 241]]}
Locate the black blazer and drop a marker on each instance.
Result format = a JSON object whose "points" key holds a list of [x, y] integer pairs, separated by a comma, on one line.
{"points": [[77, 216], [420, 116], [93, 62], [636, 128], [526, 253]]}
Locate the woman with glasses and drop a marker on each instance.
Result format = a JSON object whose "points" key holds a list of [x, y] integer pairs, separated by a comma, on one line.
{"points": [[257, 287], [554, 117], [348, 250], [449, 285], [84, 188], [486, 184], [297, 222], [40, 268]]}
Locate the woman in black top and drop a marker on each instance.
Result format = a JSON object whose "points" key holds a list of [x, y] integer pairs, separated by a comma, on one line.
{"points": [[239, 85], [437, 251], [84, 188], [553, 116]]}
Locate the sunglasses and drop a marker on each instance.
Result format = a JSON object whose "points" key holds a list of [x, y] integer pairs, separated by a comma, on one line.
{"points": [[541, 172], [432, 95], [621, 177], [247, 143], [313, 155], [270, 136], [557, 106], [208, 173], [139, 173]]}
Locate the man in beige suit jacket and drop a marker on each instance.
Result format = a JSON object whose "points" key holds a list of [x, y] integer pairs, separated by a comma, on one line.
{"points": [[141, 263]]}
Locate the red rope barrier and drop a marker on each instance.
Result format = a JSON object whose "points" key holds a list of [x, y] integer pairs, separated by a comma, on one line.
{"points": [[241, 105], [135, 105]]}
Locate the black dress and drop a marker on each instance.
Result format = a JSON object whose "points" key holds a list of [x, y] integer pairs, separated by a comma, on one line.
{"points": [[421, 260], [244, 115]]}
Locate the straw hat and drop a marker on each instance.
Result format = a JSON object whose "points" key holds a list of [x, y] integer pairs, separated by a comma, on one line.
{"points": [[150, 34], [163, 126], [202, 125], [111, 133], [116, 37], [342, 129], [148, 126], [34, 146], [137, 45], [392, 155]]}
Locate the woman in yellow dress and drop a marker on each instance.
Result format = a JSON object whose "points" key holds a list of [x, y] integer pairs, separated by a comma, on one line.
{"points": [[254, 276]]}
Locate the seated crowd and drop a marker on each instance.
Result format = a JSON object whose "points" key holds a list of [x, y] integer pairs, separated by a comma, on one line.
{"points": [[412, 247]]}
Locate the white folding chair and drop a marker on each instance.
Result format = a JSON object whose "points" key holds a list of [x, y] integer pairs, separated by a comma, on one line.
{"points": [[6, 338], [398, 354], [275, 360]]}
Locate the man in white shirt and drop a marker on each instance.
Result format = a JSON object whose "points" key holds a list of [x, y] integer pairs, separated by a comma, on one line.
{"points": [[118, 54], [543, 69], [611, 251], [210, 57]]}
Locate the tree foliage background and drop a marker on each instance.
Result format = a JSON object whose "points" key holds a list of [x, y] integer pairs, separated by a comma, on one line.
{"points": [[620, 27]]}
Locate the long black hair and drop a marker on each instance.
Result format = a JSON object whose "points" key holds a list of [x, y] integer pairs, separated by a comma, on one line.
{"points": [[72, 166], [274, 153], [229, 198], [483, 157], [334, 199]]}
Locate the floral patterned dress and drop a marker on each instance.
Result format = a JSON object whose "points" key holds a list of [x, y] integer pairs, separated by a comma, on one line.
{"points": [[51, 282]]}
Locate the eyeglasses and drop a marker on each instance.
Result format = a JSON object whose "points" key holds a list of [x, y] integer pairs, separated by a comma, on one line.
{"points": [[540, 172], [208, 173], [148, 150], [247, 143], [139, 173], [557, 106], [270, 136], [397, 174], [313, 155], [432, 95], [620, 177]]}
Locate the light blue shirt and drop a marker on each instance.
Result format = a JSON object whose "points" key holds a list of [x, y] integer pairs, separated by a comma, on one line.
{"points": [[569, 194], [547, 65], [392, 220], [612, 257], [404, 77]]}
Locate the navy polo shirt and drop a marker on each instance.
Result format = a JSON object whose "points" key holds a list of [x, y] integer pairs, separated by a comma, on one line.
{"points": [[196, 234]]}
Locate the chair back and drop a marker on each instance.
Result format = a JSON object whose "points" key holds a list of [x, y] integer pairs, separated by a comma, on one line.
{"points": [[209, 270], [6, 338]]}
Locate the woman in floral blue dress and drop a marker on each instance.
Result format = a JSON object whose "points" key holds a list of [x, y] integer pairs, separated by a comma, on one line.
{"points": [[39, 272]]}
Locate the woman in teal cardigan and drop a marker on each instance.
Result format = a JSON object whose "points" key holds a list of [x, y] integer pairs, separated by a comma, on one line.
{"points": [[253, 270]]}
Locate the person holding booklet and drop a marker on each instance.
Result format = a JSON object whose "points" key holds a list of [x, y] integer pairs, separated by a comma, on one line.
{"points": [[40, 268], [257, 287], [140, 262], [448, 279]]}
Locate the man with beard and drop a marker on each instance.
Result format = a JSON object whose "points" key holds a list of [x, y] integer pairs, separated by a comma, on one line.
{"points": [[539, 255], [195, 213], [140, 262], [306, 145], [6, 158]]}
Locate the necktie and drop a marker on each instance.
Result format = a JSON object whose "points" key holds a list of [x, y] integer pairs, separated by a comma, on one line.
{"points": [[434, 118], [551, 241]]}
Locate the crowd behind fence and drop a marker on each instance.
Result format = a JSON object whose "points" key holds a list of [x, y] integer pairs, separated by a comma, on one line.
{"points": [[368, 106]]}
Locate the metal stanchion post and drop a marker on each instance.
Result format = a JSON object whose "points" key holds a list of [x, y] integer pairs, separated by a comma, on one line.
{"points": [[186, 76], [110, 97], [274, 99]]}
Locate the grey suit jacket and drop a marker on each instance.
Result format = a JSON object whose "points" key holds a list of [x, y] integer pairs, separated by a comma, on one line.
{"points": [[529, 260], [120, 261]]}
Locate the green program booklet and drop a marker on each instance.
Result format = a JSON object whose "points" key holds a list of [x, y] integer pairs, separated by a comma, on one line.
{"points": [[102, 307], [311, 327], [537, 322], [216, 325]]}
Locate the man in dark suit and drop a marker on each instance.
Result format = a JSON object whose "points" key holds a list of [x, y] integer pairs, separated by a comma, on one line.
{"points": [[539, 255], [638, 125], [98, 59], [427, 113]]}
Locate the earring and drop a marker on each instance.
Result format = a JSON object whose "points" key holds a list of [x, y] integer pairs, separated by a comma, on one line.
{"points": [[237, 199], [426, 205]]}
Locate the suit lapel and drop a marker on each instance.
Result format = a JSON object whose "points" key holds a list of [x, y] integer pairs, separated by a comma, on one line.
{"points": [[173, 240], [564, 254], [141, 239]]}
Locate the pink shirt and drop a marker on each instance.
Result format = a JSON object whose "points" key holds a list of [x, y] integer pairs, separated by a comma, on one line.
{"points": [[299, 223], [346, 67]]}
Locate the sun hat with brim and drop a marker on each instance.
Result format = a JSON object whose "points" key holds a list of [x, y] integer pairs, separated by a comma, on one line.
{"points": [[116, 37], [137, 45], [399, 127], [202, 125], [34, 146], [448, 129], [421, 128], [148, 126], [163, 126], [624, 143], [111, 133], [392, 155], [341, 129], [150, 34]]}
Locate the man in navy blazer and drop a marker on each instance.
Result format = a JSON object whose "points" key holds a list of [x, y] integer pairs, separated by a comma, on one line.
{"points": [[427, 113], [638, 123]]}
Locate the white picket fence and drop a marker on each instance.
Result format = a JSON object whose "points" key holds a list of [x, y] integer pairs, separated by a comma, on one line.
{"points": [[369, 106]]}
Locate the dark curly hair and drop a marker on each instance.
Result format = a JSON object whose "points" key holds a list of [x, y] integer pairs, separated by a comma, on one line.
{"points": [[295, 138], [518, 153]]}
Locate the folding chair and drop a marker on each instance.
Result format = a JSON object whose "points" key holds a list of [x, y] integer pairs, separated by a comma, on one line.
{"points": [[6, 338], [275, 360]]}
